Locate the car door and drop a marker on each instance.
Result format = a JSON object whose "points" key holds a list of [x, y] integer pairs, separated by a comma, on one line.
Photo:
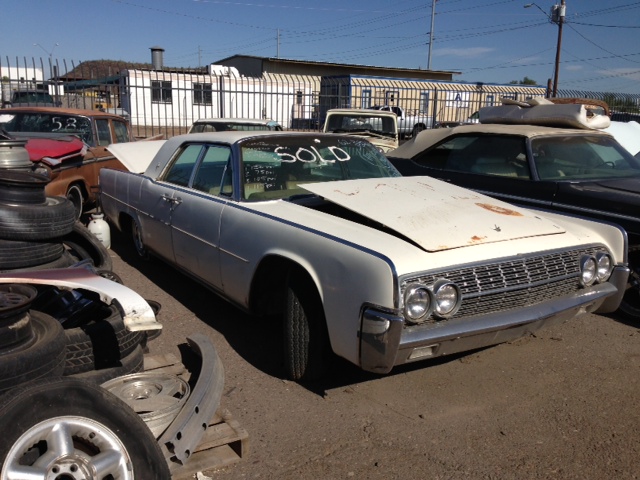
{"points": [[162, 198], [495, 165], [195, 220]]}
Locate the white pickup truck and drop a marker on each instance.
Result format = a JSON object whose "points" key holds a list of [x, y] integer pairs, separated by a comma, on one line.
{"points": [[379, 127], [408, 125]]}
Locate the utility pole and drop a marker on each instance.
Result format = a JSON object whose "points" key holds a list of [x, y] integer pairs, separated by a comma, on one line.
{"points": [[433, 23], [558, 16]]}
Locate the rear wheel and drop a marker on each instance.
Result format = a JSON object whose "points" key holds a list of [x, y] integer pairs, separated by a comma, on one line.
{"points": [[417, 129], [306, 342], [65, 428], [74, 194], [138, 243]]}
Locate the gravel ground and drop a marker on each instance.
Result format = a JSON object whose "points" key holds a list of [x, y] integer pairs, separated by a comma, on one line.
{"points": [[559, 405]]}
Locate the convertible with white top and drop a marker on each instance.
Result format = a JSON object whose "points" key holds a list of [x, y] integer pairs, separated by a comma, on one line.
{"points": [[377, 268]]}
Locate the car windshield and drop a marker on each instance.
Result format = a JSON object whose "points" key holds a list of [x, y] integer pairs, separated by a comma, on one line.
{"points": [[338, 123], [275, 167], [32, 97], [48, 123], [582, 157]]}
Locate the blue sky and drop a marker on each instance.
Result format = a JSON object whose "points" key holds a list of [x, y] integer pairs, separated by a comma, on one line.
{"points": [[487, 40]]}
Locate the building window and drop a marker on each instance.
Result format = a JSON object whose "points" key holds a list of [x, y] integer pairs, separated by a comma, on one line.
{"points": [[161, 92], [366, 98], [391, 97], [202, 94], [489, 101], [424, 102]]}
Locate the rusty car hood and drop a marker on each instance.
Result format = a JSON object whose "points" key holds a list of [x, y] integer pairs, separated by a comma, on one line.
{"points": [[433, 214]]}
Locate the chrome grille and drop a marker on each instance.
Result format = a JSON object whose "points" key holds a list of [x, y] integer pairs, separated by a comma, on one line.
{"points": [[513, 283]]}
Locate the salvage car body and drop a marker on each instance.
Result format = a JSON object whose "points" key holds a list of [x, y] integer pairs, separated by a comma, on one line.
{"points": [[582, 172], [76, 176], [377, 126], [367, 241]]}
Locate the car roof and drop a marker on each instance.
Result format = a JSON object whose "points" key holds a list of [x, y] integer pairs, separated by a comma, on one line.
{"points": [[60, 110], [427, 138], [257, 121], [231, 137], [361, 111]]}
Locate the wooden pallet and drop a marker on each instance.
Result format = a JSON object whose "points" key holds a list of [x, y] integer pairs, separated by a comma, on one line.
{"points": [[224, 442]]}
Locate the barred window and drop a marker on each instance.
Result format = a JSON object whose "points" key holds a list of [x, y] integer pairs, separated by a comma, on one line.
{"points": [[161, 92], [202, 94]]}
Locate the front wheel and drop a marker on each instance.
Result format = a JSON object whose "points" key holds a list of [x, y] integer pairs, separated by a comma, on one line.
{"points": [[630, 305], [306, 341], [67, 428]]}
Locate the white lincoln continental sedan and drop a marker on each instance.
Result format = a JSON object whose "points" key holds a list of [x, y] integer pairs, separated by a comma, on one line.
{"points": [[358, 261]]}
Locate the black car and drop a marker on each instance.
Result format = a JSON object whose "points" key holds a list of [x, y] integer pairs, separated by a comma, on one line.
{"points": [[568, 170]]}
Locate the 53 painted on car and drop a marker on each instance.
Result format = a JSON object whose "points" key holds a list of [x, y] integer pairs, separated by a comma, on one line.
{"points": [[379, 269]]}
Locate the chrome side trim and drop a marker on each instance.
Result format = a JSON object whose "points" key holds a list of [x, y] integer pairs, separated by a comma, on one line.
{"points": [[182, 437]]}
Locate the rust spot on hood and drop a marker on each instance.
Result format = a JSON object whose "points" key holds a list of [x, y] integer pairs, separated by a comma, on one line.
{"points": [[500, 210], [476, 239]]}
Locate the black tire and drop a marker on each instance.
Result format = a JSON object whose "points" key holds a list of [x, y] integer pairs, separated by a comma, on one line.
{"points": [[41, 356], [89, 420], [52, 219], [630, 305], [74, 195], [84, 245], [138, 242], [306, 341], [15, 324], [132, 363], [18, 187], [99, 344], [416, 130], [64, 261], [19, 254]]}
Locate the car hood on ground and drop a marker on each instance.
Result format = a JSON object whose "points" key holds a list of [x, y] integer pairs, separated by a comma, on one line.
{"points": [[433, 214]]}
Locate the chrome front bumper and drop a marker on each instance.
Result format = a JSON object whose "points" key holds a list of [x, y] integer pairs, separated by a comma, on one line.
{"points": [[385, 342]]}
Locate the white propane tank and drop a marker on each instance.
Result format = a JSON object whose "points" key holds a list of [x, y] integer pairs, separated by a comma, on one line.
{"points": [[100, 228]]}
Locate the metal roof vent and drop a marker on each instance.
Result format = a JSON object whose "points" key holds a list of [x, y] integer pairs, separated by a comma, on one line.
{"points": [[156, 57]]}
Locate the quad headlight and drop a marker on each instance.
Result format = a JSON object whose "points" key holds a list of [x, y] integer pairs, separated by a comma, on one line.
{"points": [[418, 302], [447, 298], [605, 266], [442, 299]]}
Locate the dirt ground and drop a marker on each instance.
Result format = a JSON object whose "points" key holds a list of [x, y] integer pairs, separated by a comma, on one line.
{"points": [[559, 405]]}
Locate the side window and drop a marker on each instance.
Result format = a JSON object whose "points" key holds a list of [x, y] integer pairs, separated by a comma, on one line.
{"points": [[104, 132], [122, 133], [208, 178], [182, 167], [482, 154]]}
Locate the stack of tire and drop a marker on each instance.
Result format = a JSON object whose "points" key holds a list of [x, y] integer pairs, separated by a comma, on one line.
{"points": [[56, 426], [39, 232]]}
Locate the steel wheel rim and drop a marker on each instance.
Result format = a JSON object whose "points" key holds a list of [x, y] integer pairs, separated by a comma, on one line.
{"points": [[156, 397], [75, 448]]}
